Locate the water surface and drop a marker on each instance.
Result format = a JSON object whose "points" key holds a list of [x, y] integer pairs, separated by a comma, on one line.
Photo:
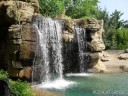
{"points": [[96, 85]]}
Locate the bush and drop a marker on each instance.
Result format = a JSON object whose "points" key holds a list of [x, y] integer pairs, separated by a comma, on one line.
{"points": [[22, 88], [122, 38], [3, 74], [51, 8], [72, 8]]}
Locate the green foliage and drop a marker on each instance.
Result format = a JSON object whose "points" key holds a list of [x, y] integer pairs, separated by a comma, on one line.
{"points": [[115, 29], [51, 7], [125, 24], [109, 39], [115, 21], [122, 38], [3, 74], [80, 8], [72, 8], [21, 87], [113, 25]]}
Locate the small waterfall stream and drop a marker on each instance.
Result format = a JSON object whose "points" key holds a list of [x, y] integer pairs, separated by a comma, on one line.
{"points": [[81, 40]]}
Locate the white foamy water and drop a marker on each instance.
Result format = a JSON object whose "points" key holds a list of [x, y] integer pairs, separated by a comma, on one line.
{"points": [[59, 84], [50, 48], [78, 74], [81, 33]]}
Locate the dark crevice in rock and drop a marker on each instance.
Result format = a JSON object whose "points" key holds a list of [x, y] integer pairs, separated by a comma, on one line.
{"points": [[88, 35]]}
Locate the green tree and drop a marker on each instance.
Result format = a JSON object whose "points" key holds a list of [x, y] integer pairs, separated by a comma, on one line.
{"points": [[115, 21], [125, 24], [112, 23], [80, 8], [51, 8], [72, 8], [122, 36]]}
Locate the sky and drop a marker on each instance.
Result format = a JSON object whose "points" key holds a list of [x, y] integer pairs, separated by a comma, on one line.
{"points": [[111, 5]]}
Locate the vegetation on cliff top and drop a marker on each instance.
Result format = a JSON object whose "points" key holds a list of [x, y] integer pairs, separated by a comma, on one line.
{"points": [[71, 8], [116, 30]]}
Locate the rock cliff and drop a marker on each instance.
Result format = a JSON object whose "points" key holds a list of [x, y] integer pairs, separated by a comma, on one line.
{"points": [[18, 38], [94, 42]]}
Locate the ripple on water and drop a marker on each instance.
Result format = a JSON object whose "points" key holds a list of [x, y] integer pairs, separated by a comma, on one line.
{"points": [[78, 74]]}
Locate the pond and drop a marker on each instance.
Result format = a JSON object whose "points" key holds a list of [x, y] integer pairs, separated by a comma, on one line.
{"points": [[115, 84]]}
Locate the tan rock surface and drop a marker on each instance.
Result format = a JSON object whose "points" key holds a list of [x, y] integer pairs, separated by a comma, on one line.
{"points": [[114, 64]]}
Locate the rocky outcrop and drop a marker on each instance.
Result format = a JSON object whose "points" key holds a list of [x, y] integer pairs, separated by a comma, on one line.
{"points": [[94, 29], [18, 39], [22, 44], [94, 42], [123, 56], [124, 68], [113, 63], [126, 51], [105, 57], [19, 34]]}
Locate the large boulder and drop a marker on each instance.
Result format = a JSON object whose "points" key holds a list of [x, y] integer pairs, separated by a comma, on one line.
{"points": [[23, 12], [24, 73], [17, 36], [22, 42], [126, 51], [124, 67], [90, 23], [20, 11], [98, 68], [93, 39], [123, 56]]}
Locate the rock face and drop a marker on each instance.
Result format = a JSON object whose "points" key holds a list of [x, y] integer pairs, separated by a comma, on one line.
{"points": [[94, 29], [18, 37], [123, 56], [124, 68], [94, 43]]}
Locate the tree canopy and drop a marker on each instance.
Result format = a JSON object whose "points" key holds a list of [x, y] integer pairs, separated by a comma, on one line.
{"points": [[116, 30], [72, 8], [51, 8], [80, 8]]}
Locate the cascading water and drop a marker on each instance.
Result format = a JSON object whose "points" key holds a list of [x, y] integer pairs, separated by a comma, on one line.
{"points": [[81, 38], [49, 53], [50, 47]]}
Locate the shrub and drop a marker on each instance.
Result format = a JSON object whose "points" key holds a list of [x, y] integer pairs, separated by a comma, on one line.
{"points": [[3, 74], [22, 88], [122, 38]]}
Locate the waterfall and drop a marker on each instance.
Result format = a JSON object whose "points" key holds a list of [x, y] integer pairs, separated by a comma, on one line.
{"points": [[81, 39], [48, 59], [50, 48]]}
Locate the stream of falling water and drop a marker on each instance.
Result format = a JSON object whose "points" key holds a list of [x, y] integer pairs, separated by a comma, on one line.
{"points": [[50, 53], [81, 33], [50, 46]]}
